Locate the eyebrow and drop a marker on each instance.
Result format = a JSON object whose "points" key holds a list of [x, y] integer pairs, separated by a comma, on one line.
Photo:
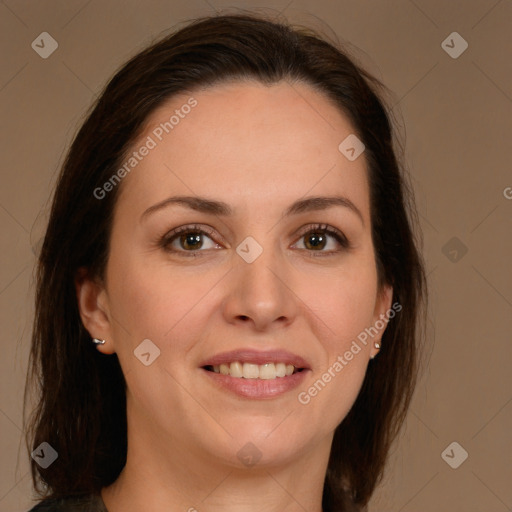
{"points": [[210, 206]]}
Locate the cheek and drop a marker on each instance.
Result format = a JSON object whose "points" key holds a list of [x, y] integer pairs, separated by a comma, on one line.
{"points": [[342, 312], [160, 305], [140, 292], [348, 309], [345, 302], [157, 302]]}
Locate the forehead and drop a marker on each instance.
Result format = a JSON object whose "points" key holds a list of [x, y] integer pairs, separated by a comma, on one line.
{"points": [[247, 140]]}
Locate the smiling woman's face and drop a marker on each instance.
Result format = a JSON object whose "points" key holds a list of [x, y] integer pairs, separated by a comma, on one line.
{"points": [[265, 281]]}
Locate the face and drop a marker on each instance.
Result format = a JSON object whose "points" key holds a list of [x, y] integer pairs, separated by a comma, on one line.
{"points": [[248, 271]]}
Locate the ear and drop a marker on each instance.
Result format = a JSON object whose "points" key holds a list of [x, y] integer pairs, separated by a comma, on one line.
{"points": [[93, 307], [381, 315]]}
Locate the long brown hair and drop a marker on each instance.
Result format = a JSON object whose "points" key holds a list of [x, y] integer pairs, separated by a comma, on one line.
{"points": [[81, 397]]}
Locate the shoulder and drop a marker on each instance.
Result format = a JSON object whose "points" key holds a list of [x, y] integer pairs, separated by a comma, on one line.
{"points": [[71, 504]]}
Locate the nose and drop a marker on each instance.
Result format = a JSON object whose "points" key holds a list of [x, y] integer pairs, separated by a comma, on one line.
{"points": [[261, 293]]}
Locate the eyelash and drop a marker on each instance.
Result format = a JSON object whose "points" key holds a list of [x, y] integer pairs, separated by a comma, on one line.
{"points": [[167, 239]]}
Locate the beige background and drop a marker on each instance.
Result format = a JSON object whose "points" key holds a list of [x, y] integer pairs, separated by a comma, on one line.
{"points": [[457, 117]]}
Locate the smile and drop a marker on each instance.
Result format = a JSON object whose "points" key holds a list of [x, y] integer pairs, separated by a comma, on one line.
{"points": [[256, 374], [267, 371]]}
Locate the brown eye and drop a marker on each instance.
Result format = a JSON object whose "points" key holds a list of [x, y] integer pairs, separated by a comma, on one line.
{"points": [[188, 240], [191, 241], [315, 240], [321, 236]]}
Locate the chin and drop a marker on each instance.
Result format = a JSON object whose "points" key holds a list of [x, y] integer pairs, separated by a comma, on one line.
{"points": [[262, 447]]}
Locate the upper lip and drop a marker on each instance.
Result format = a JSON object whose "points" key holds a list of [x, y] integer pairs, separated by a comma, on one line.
{"points": [[257, 357]]}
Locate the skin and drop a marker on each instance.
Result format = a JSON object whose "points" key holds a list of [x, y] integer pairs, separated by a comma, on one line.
{"points": [[259, 149]]}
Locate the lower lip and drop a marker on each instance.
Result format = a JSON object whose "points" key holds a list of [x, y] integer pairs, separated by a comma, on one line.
{"points": [[257, 388]]}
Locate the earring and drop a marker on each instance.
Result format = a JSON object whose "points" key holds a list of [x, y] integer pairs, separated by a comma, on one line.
{"points": [[377, 346], [96, 341]]}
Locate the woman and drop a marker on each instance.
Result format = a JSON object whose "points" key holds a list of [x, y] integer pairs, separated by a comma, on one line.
{"points": [[230, 247]]}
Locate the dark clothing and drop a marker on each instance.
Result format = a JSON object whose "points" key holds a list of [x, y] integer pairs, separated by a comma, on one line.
{"points": [[83, 504]]}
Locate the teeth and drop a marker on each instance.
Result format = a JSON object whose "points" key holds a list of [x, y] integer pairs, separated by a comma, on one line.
{"points": [[236, 370], [267, 371], [280, 370], [250, 371]]}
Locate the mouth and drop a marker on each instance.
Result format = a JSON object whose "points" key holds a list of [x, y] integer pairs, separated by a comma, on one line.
{"points": [[255, 374], [266, 371]]}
